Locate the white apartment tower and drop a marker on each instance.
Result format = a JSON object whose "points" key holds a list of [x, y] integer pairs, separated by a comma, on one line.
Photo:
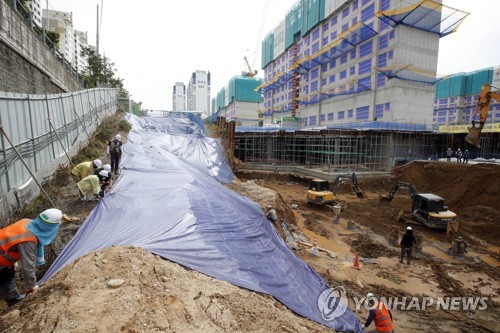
{"points": [[179, 97], [198, 93], [71, 41], [36, 9]]}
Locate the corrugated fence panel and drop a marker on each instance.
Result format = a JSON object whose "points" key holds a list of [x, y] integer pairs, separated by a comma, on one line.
{"points": [[25, 121]]}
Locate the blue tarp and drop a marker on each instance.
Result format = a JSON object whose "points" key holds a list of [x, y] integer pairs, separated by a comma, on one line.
{"points": [[170, 201]]}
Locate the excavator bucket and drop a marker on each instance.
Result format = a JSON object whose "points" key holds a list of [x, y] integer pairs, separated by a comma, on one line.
{"points": [[385, 199], [473, 136]]}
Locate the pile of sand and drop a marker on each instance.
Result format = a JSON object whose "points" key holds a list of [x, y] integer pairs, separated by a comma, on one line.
{"points": [[152, 295]]}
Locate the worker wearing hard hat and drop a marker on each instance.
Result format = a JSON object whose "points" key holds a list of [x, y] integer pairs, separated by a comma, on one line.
{"points": [[109, 180], [380, 315], [407, 244], [84, 169], [24, 241], [89, 187], [114, 150], [271, 214]]}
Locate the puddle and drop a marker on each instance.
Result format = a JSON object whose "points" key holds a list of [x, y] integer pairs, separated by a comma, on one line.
{"points": [[438, 253], [487, 259]]}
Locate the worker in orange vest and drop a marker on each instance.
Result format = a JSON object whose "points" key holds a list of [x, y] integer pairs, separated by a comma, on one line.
{"points": [[24, 241], [380, 314]]}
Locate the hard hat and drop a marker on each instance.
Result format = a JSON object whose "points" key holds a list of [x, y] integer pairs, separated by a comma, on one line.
{"points": [[269, 206], [409, 228], [118, 137], [106, 167], [97, 163], [370, 295], [51, 215], [104, 173]]}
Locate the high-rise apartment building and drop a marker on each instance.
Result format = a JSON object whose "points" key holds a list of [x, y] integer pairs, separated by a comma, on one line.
{"points": [[71, 41], [198, 93], [179, 97], [36, 9], [340, 63]]}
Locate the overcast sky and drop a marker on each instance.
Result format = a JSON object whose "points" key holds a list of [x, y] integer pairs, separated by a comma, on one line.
{"points": [[156, 43]]}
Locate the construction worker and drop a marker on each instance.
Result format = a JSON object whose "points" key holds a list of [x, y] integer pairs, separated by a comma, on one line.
{"points": [[271, 214], [24, 241], [84, 169], [114, 151], [449, 153], [458, 154], [407, 244], [380, 314], [466, 156], [90, 186], [106, 167]]}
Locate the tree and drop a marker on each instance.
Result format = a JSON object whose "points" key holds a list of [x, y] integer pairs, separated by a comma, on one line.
{"points": [[54, 37], [100, 71]]}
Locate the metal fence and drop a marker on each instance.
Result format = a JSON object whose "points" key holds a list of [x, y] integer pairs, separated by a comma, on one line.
{"points": [[45, 130]]}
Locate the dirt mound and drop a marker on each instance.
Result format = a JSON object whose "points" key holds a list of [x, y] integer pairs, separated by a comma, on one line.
{"points": [[156, 295], [367, 248], [462, 185]]}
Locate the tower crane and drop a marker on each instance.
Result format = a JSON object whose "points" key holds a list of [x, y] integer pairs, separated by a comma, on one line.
{"points": [[250, 73]]}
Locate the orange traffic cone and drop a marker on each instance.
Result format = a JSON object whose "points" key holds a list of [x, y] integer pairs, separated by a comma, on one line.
{"points": [[356, 262]]}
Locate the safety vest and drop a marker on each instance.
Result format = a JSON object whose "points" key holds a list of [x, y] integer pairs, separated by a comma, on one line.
{"points": [[383, 321], [11, 235]]}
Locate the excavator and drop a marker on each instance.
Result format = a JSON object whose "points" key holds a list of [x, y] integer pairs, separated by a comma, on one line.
{"points": [[250, 73], [427, 208], [483, 103], [319, 192]]}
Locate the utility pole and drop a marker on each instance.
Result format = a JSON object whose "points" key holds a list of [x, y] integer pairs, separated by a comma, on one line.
{"points": [[97, 34]]}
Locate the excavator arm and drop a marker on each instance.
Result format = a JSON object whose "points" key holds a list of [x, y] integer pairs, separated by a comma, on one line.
{"points": [[483, 104], [355, 184], [410, 187]]}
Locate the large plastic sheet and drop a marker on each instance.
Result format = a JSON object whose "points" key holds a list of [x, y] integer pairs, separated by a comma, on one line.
{"points": [[170, 201]]}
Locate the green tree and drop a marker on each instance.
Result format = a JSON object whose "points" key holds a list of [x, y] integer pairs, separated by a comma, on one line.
{"points": [[100, 71], [54, 37]]}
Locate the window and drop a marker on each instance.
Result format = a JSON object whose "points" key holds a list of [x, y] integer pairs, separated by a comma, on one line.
{"points": [[362, 113], [314, 86], [368, 13], [314, 73], [341, 115], [380, 80], [353, 54], [325, 41], [365, 67], [391, 34], [364, 2], [345, 12], [343, 74], [390, 54], [312, 120], [330, 116], [352, 71], [387, 107], [385, 4], [334, 21], [332, 64], [379, 111], [383, 25], [315, 47], [382, 60], [364, 83], [325, 26], [354, 21], [365, 49], [349, 113], [333, 35], [324, 68], [331, 78], [355, 5], [323, 82], [315, 34], [384, 41], [322, 117], [343, 59], [345, 26]]}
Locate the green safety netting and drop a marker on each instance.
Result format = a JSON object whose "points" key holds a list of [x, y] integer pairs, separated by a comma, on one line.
{"points": [[346, 42], [426, 15], [409, 73]]}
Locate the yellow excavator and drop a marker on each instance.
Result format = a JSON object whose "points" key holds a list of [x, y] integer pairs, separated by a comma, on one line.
{"points": [[319, 192], [483, 104]]}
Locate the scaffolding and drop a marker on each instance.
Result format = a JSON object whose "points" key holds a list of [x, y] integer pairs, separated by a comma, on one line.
{"points": [[338, 150]]}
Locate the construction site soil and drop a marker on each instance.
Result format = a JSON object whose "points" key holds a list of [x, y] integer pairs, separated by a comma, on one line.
{"points": [[125, 289]]}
